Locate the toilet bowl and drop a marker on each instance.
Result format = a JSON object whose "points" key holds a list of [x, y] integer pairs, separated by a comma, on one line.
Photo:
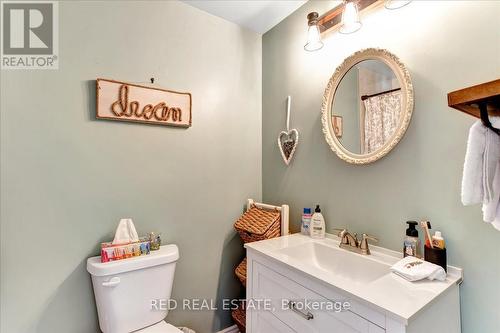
{"points": [[127, 292]]}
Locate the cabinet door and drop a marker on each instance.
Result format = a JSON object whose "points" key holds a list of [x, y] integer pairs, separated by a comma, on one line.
{"points": [[322, 321], [268, 284], [265, 322], [340, 323]]}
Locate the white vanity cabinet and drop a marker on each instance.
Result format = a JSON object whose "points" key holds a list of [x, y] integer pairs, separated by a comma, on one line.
{"points": [[287, 293], [271, 285]]}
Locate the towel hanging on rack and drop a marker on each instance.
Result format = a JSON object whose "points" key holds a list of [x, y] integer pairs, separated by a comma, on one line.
{"points": [[481, 176]]}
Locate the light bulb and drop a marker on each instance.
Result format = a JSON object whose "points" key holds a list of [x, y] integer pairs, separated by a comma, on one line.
{"points": [[313, 39], [313, 34], [350, 19], [396, 4]]}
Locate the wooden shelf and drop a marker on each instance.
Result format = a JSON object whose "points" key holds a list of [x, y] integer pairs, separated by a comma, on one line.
{"points": [[468, 99]]}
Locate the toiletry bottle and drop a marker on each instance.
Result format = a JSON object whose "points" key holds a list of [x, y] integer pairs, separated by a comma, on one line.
{"points": [[411, 243], [438, 240], [306, 221], [317, 227]]}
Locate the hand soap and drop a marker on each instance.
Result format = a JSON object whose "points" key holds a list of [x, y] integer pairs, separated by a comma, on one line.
{"points": [[411, 243], [317, 227]]}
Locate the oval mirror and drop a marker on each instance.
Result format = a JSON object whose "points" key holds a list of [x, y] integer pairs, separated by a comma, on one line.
{"points": [[367, 106]]}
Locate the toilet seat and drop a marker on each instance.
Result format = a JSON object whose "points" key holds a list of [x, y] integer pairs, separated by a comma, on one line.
{"points": [[161, 327]]}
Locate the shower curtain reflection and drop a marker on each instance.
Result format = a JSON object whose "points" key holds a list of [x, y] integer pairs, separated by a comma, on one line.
{"points": [[381, 119]]}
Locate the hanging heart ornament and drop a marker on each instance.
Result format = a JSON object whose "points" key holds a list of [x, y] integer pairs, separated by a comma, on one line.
{"points": [[288, 140]]}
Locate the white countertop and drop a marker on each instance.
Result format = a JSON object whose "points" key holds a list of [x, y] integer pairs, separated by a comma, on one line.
{"points": [[391, 293]]}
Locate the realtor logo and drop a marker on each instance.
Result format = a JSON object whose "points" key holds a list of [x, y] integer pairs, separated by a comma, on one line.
{"points": [[29, 35]]}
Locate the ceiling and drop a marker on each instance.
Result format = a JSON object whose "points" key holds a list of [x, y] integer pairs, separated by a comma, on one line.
{"points": [[258, 15]]}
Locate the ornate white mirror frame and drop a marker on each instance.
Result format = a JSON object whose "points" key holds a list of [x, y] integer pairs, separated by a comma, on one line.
{"points": [[404, 79]]}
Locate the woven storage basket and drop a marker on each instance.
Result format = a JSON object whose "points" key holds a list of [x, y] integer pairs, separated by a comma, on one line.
{"points": [[258, 224], [241, 272], [239, 317]]}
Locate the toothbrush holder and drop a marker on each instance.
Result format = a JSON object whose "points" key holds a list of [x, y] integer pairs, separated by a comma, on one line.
{"points": [[436, 256]]}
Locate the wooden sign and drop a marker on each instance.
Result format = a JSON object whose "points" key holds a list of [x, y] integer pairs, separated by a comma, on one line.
{"points": [[131, 102]]}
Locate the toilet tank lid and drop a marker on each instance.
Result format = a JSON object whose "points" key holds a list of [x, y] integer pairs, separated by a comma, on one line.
{"points": [[166, 254]]}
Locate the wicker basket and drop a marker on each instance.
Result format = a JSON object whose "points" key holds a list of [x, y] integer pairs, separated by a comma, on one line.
{"points": [[258, 224], [239, 317], [241, 272]]}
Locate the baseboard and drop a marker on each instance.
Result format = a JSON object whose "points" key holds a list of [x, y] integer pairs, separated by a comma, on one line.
{"points": [[230, 329]]}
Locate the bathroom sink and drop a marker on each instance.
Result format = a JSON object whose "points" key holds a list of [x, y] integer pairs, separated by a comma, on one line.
{"points": [[342, 263], [318, 264], [298, 267]]}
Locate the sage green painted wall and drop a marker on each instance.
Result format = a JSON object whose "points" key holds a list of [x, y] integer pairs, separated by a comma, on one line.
{"points": [[67, 179], [446, 46]]}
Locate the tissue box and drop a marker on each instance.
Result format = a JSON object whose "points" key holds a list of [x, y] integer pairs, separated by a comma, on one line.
{"points": [[112, 252]]}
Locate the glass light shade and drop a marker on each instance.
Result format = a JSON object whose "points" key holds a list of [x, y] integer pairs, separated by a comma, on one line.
{"points": [[350, 19], [313, 39], [396, 4]]}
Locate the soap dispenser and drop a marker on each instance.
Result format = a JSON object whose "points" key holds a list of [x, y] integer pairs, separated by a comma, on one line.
{"points": [[411, 243], [317, 227]]}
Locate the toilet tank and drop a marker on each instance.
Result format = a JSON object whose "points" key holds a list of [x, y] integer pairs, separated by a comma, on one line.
{"points": [[132, 293]]}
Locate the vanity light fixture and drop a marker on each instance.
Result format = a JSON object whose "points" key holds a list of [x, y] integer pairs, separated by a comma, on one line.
{"points": [[396, 4], [313, 34], [350, 18], [344, 17]]}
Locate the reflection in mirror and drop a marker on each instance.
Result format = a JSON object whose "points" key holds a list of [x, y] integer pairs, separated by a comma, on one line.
{"points": [[366, 108]]}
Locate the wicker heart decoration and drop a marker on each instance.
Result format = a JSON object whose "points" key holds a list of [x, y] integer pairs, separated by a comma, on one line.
{"points": [[287, 141]]}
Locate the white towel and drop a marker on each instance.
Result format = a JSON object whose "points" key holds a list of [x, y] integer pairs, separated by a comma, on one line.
{"points": [[496, 222], [490, 204], [481, 177], [491, 158], [491, 175], [414, 269], [472, 180], [125, 233]]}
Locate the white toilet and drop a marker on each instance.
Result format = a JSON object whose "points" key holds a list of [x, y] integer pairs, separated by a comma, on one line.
{"points": [[128, 292]]}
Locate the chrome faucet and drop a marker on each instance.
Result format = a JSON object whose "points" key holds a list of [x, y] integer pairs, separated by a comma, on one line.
{"points": [[351, 243]]}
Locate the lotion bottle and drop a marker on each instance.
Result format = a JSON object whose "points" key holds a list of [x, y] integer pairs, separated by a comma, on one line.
{"points": [[317, 227], [306, 221]]}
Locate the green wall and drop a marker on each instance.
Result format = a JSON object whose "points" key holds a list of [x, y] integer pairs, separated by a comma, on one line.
{"points": [[67, 178], [446, 46]]}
